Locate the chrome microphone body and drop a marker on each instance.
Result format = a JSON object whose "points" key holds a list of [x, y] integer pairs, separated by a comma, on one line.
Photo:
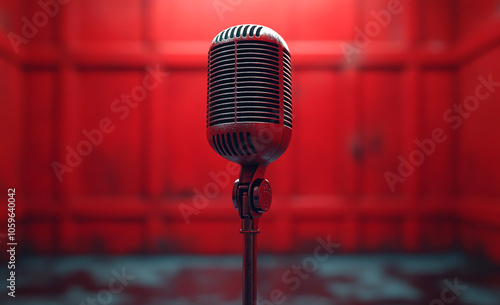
{"points": [[249, 99]]}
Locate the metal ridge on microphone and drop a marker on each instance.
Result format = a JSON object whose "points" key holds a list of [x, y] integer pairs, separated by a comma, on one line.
{"points": [[248, 31]]}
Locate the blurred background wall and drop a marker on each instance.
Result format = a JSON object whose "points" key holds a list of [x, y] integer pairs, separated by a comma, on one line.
{"points": [[366, 86]]}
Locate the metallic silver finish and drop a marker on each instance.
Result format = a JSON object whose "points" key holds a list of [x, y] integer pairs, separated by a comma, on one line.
{"points": [[249, 31], [249, 94]]}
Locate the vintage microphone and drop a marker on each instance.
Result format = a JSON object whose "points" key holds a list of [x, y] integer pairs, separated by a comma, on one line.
{"points": [[249, 121]]}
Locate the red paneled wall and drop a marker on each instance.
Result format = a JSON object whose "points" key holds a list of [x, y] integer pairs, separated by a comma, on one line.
{"points": [[10, 95], [478, 173], [150, 182]]}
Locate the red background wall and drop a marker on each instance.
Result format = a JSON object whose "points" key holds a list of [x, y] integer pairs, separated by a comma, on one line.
{"points": [[352, 121]]}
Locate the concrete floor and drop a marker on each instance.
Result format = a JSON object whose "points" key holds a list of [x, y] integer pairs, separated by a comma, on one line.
{"points": [[291, 280]]}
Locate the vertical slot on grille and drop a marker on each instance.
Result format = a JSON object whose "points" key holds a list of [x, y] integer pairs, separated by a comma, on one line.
{"points": [[223, 140], [216, 146], [232, 32], [243, 144], [250, 143], [252, 29], [237, 144], [220, 145], [238, 32], [230, 144], [258, 31], [245, 30]]}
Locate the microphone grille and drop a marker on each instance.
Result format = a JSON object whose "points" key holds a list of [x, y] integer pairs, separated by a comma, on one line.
{"points": [[233, 144], [239, 31], [246, 82]]}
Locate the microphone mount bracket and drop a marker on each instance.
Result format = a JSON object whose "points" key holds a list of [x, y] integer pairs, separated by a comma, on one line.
{"points": [[252, 195]]}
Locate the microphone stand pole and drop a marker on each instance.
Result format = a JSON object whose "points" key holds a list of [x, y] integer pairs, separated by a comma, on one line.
{"points": [[249, 263], [251, 197]]}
